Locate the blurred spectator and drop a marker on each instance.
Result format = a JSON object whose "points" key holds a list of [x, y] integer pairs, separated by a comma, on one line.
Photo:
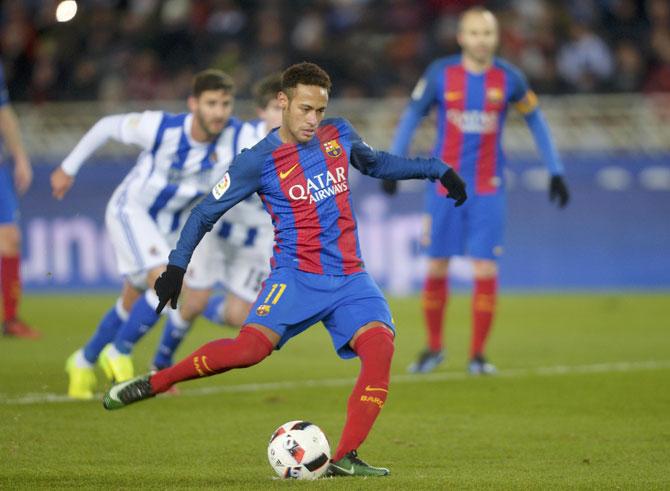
{"points": [[372, 48], [630, 68], [585, 61], [659, 77]]}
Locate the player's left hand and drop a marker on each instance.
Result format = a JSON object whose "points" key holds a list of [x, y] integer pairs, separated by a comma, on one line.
{"points": [[168, 287], [558, 191], [23, 174], [455, 185]]}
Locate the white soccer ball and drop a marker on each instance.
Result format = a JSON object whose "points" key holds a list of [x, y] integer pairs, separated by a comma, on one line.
{"points": [[299, 450]]}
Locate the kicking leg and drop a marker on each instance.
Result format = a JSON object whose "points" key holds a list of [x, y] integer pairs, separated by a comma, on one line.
{"points": [[253, 344]]}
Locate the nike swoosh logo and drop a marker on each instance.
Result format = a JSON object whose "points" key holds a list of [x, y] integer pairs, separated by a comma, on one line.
{"points": [[346, 471], [373, 389], [284, 175]]}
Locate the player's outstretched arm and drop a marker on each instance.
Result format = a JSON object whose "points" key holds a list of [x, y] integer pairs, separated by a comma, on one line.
{"points": [[241, 180], [384, 165], [108, 128], [422, 98]]}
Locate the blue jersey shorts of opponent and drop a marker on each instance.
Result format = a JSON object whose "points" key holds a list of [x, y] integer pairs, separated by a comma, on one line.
{"points": [[474, 229], [9, 207], [292, 300]]}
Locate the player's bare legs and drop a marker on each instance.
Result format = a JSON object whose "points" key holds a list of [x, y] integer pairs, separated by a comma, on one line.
{"points": [[10, 262], [483, 308], [434, 302], [373, 343]]}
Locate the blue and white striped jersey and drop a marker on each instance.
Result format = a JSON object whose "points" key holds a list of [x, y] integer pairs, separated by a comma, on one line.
{"points": [[173, 171]]}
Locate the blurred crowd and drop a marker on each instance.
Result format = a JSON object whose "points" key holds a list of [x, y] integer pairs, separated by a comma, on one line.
{"points": [[148, 49]]}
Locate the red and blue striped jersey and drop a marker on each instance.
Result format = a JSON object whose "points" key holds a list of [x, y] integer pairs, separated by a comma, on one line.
{"points": [[305, 188], [471, 111]]}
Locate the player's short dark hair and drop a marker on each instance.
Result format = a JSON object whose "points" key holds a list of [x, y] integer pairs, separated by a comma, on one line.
{"points": [[212, 79], [266, 89], [304, 73]]}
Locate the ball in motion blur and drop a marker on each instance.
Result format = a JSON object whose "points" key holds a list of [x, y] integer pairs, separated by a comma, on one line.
{"points": [[299, 450]]}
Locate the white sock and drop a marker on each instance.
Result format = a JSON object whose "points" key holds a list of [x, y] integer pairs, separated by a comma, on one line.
{"points": [[80, 361]]}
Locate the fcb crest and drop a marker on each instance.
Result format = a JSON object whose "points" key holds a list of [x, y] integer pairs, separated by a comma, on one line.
{"points": [[263, 310], [333, 148]]}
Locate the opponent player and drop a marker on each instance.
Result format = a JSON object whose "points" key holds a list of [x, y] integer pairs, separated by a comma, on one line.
{"points": [[472, 92], [237, 251], [10, 235], [300, 170], [183, 155]]}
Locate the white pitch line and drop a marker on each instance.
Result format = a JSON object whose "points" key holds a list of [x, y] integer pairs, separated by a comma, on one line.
{"points": [[623, 366]]}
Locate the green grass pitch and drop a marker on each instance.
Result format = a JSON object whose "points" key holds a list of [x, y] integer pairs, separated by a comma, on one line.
{"points": [[582, 401]]}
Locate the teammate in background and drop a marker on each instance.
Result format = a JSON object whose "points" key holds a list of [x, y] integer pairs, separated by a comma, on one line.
{"points": [[237, 251], [182, 156], [300, 171], [10, 235], [472, 92]]}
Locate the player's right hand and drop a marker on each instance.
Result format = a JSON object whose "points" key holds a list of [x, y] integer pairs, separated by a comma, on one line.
{"points": [[168, 287], [60, 183], [389, 186], [455, 185]]}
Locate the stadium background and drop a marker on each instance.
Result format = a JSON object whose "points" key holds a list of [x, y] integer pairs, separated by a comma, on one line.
{"points": [[600, 66]]}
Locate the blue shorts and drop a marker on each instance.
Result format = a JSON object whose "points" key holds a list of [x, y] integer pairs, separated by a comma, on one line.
{"points": [[9, 205], [474, 229], [291, 301]]}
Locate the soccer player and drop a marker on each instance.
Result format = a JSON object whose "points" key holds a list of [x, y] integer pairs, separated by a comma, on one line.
{"points": [[10, 235], [237, 251], [182, 156], [472, 92], [300, 170]]}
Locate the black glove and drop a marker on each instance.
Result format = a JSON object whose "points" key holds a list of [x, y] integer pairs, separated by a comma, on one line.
{"points": [[168, 287], [455, 186], [389, 186], [558, 191]]}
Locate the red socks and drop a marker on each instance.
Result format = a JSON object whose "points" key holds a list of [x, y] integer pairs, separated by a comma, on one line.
{"points": [[375, 349], [248, 348], [11, 285], [483, 308], [435, 291]]}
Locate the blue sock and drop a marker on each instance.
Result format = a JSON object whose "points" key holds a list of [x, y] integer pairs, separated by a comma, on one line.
{"points": [[142, 317], [213, 310], [173, 334], [105, 332]]}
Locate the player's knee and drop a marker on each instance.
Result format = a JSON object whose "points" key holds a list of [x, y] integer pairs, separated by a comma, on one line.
{"points": [[10, 240], [484, 268], [253, 345], [377, 342], [437, 267]]}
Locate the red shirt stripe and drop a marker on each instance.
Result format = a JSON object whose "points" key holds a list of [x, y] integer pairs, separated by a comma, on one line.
{"points": [[290, 173], [346, 242], [455, 95], [487, 160]]}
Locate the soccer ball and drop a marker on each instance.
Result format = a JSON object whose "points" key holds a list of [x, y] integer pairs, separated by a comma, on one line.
{"points": [[299, 450]]}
